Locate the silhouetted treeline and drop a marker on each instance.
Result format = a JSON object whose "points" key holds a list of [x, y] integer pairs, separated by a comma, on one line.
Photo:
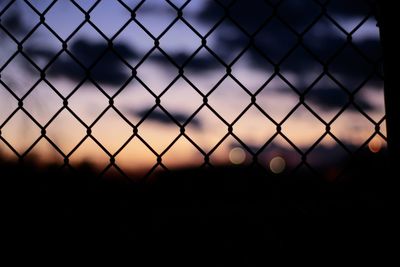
{"points": [[221, 215]]}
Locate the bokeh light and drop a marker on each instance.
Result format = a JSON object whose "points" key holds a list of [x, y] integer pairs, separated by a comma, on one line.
{"points": [[277, 165], [375, 145], [237, 156]]}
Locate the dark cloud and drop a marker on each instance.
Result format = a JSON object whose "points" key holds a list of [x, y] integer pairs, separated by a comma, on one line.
{"points": [[333, 98], [37, 52], [197, 63], [160, 116], [276, 39], [249, 16], [295, 12], [87, 52], [370, 47], [350, 66], [13, 22], [108, 70], [354, 8]]}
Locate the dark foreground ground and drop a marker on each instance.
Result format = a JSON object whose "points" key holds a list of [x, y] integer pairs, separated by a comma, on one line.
{"points": [[220, 217]]}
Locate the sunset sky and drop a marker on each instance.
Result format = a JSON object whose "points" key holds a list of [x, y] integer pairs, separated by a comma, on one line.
{"points": [[251, 73]]}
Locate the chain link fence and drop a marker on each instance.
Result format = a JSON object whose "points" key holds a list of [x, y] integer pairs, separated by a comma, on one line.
{"points": [[269, 34]]}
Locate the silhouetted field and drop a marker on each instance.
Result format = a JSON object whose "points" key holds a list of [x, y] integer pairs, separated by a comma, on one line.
{"points": [[212, 216]]}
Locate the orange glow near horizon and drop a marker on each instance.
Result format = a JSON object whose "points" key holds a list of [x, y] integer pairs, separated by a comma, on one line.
{"points": [[112, 132]]}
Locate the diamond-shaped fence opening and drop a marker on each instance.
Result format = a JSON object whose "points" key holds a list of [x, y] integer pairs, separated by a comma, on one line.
{"points": [[203, 63], [254, 133], [180, 105], [9, 106], [230, 106], [132, 87], [11, 46], [42, 103], [102, 14], [270, 96], [276, 148], [88, 103], [16, 26], [59, 19], [28, 133], [19, 87], [42, 56], [183, 155], [57, 131], [155, 26]]}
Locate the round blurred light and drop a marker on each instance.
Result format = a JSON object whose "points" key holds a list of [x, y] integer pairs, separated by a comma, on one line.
{"points": [[375, 145], [237, 155], [277, 165]]}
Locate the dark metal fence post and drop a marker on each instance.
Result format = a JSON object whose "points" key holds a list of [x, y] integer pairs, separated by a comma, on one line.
{"points": [[392, 95]]}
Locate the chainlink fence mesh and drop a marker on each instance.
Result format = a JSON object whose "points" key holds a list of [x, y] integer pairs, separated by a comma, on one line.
{"points": [[317, 62]]}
